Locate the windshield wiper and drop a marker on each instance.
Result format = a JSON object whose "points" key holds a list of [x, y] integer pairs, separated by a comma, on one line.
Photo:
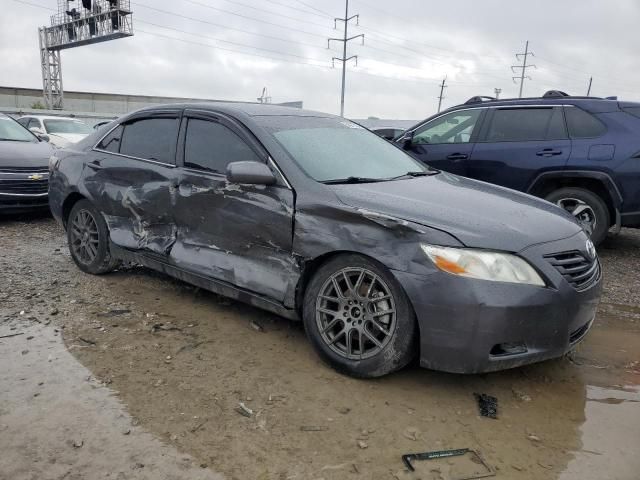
{"points": [[12, 140], [347, 180], [421, 173]]}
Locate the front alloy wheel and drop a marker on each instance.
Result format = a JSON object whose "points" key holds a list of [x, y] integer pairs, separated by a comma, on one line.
{"points": [[358, 318]]}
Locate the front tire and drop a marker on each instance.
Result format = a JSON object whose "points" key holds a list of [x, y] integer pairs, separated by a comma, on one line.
{"points": [[588, 208], [358, 318], [88, 238]]}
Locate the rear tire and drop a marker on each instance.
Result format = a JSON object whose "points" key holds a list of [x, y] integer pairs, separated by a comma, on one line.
{"points": [[88, 238], [588, 208], [358, 318]]}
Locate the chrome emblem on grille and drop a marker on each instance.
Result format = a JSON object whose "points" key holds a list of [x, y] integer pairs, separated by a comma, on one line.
{"points": [[35, 176], [591, 250]]}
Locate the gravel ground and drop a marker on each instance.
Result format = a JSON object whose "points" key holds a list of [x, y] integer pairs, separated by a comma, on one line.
{"points": [[180, 361]]}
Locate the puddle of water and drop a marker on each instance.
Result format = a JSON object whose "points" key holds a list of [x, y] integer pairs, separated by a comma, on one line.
{"points": [[610, 436], [56, 422]]}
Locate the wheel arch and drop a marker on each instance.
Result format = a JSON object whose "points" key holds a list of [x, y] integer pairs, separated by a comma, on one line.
{"points": [[599, 183], [67, 205]]}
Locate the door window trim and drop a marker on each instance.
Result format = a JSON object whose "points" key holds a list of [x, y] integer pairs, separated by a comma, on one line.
{"points": [[142, 116]]}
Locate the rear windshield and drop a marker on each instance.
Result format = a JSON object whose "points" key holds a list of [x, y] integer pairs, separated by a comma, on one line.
{"points": [[329, 149]]}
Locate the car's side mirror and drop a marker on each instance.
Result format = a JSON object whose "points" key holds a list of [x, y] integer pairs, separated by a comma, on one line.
{"points": [[250, 173], [406, 140], [43, 137]]}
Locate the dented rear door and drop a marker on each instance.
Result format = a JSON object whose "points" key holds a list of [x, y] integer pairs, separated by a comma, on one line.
{"points": [[131, 177], [239, 234]]}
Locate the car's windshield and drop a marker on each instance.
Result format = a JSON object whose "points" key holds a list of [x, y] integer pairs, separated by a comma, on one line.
{"points": [[67, 126], [332, 149], [12, 131]]}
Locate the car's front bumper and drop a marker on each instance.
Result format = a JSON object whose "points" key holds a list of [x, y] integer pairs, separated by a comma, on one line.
{"points": [[464, 322], [23, 189]]}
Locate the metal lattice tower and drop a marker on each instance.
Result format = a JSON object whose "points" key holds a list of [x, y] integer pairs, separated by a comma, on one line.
{"points": [[78, 23]]}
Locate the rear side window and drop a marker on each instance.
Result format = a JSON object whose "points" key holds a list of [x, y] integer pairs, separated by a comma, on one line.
{"points": [[211, 146], [526, 124], [151, 139], [582, 124], [111, 143]]}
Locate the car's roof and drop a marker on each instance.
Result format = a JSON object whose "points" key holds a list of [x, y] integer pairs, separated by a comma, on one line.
{"points": [[250, 109]]}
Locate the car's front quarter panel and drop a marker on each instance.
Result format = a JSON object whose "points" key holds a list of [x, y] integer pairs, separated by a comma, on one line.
{"points": [[65, 179]]}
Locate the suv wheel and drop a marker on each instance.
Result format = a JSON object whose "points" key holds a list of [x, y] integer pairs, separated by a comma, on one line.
{"points": [[588, 208], [358, 318], [88, 238]]}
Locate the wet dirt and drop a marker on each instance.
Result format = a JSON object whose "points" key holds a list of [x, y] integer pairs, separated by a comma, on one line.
{"points": [[180, 360]]}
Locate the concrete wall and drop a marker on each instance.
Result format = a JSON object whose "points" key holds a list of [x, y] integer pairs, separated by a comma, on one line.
{"points": [[102, 103]]}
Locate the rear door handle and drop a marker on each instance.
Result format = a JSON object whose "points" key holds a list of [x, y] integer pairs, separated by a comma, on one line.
{"points": [[549, 152], [95, 165], [457, 156]]}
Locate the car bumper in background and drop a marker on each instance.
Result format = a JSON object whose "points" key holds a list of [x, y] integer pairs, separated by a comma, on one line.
{"points": [[23, 189], [473, 326]]}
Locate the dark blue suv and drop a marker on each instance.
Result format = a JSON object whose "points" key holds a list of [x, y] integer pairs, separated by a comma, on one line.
{"points": [[581, 153]]}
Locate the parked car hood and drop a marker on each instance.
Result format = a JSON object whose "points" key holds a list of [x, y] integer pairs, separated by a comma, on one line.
{"points": [[478, 214], [25, 154]]}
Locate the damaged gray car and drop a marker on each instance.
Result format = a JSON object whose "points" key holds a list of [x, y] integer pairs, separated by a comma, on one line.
{"points": [[314, 218]]}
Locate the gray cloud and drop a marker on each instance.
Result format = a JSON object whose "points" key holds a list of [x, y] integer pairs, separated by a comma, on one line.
{"points": [[471, 42]]}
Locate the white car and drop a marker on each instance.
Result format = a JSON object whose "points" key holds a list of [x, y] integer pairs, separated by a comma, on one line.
{"points": [[61, 130]]}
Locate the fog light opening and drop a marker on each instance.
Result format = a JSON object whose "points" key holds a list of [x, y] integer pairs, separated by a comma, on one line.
{"points": [[505, 349]]}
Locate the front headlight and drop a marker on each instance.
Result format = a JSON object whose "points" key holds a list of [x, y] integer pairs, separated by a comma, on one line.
{"points": [[482, 264]]}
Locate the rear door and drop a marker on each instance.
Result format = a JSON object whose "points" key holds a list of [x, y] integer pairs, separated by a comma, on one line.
{"points": [[519, 143], [238, 234], [446, 142], [131, 177]]}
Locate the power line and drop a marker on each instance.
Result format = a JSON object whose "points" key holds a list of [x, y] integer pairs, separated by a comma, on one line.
{"points": [[523, 67], [291, 7], [345, 40], [326, 14]]}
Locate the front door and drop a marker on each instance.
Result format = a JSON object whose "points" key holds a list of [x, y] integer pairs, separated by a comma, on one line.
{"points": [[519, 143], [238, 234], [446, 143]]}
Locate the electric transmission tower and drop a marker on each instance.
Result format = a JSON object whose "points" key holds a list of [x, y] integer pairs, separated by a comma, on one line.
{"points": [[443, 85], [345, 39], [497, 91], [523, 67]]}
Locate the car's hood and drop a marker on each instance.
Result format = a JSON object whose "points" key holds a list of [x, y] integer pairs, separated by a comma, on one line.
{"points": [[64, 139], [25, 154], [478, 214]]}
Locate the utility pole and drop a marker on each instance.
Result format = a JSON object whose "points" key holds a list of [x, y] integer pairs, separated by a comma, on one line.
{"points": [[264, 98], [345, 39], [590, 83], [523, 67], [441, 97], [497, 91]]}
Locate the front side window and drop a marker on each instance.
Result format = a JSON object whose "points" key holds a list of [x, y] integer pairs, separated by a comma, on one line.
{"points": [[66, 126], [331, 149], [525, 124], [211, 146], [455, 127], [582, 124], [151, 139]]}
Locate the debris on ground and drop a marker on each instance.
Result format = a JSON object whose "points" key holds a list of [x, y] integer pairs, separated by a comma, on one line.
{"points": [[242, 409], [165, 328], [362, 444], [114, 313], [488, 405], [411, 433], [12, 335], [313, 428], [86, 340], [256, 326], [520, 396], [476, 458]]}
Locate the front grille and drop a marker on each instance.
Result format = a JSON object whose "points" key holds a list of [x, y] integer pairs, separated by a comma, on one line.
{"points": [[41, 170], [577, 269], [27, 187]]}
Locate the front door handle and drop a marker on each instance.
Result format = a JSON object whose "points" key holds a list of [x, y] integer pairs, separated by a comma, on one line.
{"points": [[549, 152], [457, 156]]}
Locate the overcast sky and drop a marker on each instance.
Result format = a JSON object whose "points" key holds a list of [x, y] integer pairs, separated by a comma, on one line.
{"points": [[231, 49]]}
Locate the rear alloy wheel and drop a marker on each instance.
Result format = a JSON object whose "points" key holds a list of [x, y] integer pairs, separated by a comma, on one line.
{"points": [[358, 318], [88, 238], [588, 208]]}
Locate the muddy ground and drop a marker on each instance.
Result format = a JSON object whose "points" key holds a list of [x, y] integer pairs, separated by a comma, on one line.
{"points": [[149, 378]]}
